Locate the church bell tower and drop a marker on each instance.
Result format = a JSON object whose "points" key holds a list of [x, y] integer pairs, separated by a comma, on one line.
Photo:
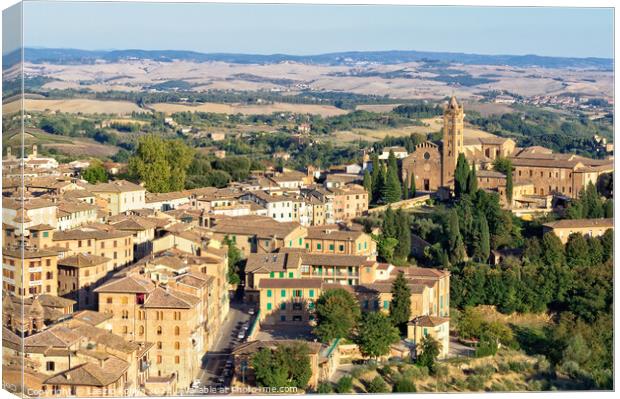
{"points": [[452, 140]]}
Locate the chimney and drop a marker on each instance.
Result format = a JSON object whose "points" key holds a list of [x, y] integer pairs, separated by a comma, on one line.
{"points": [[34, 150]]}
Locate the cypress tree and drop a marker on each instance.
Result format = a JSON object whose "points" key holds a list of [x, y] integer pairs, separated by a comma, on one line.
{"points": [[456, 249], [400, 306], [412, 186], [368, 183], [378, 182], [403, 232], [461, 175], [389, 223], [391, 190], [406, 193], [485, 239], [472, 181]]}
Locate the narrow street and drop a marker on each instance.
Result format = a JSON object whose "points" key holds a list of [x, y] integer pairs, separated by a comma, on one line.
{"points": [[214, 360]]}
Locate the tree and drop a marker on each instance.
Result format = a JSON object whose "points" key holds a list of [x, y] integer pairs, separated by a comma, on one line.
{"points": [[385, 246], [400, 306], [472, 181], [368, 183], [456, 248], [234, 261], [392, 190], [161, 164], [377, 385], [337, 313], [431, 348], [376, 334], [412, 186], [286, 365], [267, 371], [344, 384], [95, 173], [403, 235], [483, 243], [324, 388], [406, 192], [461, 175]]}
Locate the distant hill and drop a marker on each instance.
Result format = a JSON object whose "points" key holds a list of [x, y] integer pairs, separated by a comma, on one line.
{"points": [[74, 56]]}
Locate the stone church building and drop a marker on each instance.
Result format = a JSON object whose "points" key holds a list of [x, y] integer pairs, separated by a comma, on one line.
{"points": [[537, 170]]}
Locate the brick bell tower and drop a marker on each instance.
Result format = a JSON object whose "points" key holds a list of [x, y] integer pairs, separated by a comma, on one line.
{"points": [[452, 140]]}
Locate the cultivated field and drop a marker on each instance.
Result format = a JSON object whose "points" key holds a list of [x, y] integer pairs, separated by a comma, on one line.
{"points": [[323, 110], [74, 106], [79, 147]]}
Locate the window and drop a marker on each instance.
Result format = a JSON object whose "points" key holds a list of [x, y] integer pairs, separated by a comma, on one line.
{"points": [[425, 332], [46, 234], [141, 330], [386, 304], [159, 345], [318, 246], [125, 329], [290, 275], [300, 240], [282, 318], [281, 274], [108, 300], [268, 306], [283, 306], [50, 366], [283, 293], [158, 359], [159, 331], [331, 247], [310, 305], [268, 293], [341, 248], [177, 345], [297, 306], [272, 275], [177, 330], [311, 293]]}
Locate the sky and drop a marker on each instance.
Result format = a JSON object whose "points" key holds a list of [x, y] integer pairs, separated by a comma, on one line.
{"points": [[316, 29]]}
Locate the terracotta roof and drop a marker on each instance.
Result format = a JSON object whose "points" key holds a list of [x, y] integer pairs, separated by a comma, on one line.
{"points": [[85, 233], [271, 262], [332, 260], [91, 374], [490, 173], [172, 262], [170, 298], [40, 227], [128, 284], [261, 226], [580, 223], [83, 260], [55, 336], [162, 197], [321, 232], [429, 321], [27, 253], [117, 186], [91, 317]]}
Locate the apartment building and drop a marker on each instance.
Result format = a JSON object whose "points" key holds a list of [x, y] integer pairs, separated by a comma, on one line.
{"points": [[333, 239], [79, 275], [28, 272], [587, 227], [120, 196]]}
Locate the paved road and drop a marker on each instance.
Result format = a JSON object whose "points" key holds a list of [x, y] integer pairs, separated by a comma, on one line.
{"points": [[214, 360]]}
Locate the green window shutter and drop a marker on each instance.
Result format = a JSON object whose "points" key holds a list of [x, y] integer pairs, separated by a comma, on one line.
{"points": [[359, 246], [268, 293], [290, 274], [310, 305], [283, 293], [307, 246], [46, 234], [281, 274], [365, 245], [300, 240], [331, 247], [283, 306], [341, 247], [282, 318], [318, 246], [290, 243], [311, 293], [268, 306], [386, 304]]}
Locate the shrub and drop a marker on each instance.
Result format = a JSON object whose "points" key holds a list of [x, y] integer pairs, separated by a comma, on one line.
{"points": [[404, 385], [497, 387], [503, 368], [518, 367], [485, 371], [385, 371], [325, 387], [475, 382], [356, 372], [377, 385], [344, 385]]}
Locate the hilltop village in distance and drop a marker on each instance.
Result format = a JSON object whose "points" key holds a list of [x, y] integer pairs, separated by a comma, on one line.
{"points": [[286, 239]]}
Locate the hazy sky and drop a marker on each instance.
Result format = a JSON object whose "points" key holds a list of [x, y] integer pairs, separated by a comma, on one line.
{"points": [[312, 29]]}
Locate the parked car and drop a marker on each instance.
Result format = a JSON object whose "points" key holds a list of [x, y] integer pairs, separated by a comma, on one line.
{"points": [[251, 311], [195, 384], [241, 335]]}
